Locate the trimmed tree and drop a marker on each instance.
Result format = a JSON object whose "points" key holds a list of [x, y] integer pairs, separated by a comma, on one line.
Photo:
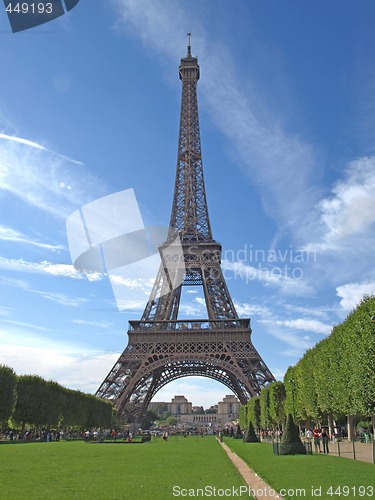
{"points": [[8, 393], [253, 413], [32, 403], [238, 433], [291, 443], [250, 436], [290, 391], [277, 399], [243, 416], [265, 417]]}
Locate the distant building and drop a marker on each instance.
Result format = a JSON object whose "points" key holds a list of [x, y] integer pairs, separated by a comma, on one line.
{"points": [[219, 415], [229, 406], [180, 406]]}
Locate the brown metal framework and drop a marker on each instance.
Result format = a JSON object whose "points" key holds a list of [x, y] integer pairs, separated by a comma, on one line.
{"points": [[161, 348]]}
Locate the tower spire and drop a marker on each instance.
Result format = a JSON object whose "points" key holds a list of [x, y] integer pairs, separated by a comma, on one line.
{"points": [[189, 46], [189, 215]]}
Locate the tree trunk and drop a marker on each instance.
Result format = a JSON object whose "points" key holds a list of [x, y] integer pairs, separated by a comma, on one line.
{"points": [[330, 425], [351, 433]]}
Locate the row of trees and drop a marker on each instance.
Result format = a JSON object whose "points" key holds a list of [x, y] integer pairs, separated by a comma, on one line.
{"points": [[29, 399], [266, 410], [335, 378]]}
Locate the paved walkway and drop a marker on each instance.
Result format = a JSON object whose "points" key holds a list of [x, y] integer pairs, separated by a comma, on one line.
{"points": [[363, 451], [258, 487]]}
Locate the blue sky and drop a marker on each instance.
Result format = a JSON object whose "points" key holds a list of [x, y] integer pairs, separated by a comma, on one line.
{"points": [[89, 106]]}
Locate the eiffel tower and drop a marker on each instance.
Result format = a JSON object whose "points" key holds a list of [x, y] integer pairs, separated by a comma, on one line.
{"points": [[161, 348]]}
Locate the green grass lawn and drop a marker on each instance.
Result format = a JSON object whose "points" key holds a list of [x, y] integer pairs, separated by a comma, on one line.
{"points": [[308, 471], [66, 470], [113, 471]]}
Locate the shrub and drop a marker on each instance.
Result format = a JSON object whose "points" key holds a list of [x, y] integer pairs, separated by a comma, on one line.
{"points": [[250, 436], [291, 443]]}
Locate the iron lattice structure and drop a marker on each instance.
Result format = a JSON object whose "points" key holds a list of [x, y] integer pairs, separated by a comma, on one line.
{"points": [[161, 348]]}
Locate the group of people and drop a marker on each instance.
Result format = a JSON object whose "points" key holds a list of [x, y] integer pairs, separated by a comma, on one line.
{"points": [[32, 435], [319, 436]]}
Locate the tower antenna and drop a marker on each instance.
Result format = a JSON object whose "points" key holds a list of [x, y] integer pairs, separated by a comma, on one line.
{"points": [[189, 46]]}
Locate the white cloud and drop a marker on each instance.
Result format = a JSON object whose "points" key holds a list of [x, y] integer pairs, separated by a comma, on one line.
{"points": [[26, 325], [311, 311], [297, 343], [73, 366], [22, 141], [59, 298], [34, 174], [68, 271], [278, 374], [351, 294], [9, 234], [192, 311], [95, 324], [5, 311], [349, 212], [16, 283], [309, 325], [200, 300], [64, 270], [250, 310], [279, 277], [133, 284]]}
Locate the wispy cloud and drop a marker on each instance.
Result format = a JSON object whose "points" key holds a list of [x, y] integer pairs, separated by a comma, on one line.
{"points": [[44, 179], [5, 311], [309, 325], [321, 312], [9, 234], [64, 270], [275, 277], [14, 282], [59, 298], [26, 325], [133, 284], [22, 141], [95, 324], [297, 343], [250, 310]]}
